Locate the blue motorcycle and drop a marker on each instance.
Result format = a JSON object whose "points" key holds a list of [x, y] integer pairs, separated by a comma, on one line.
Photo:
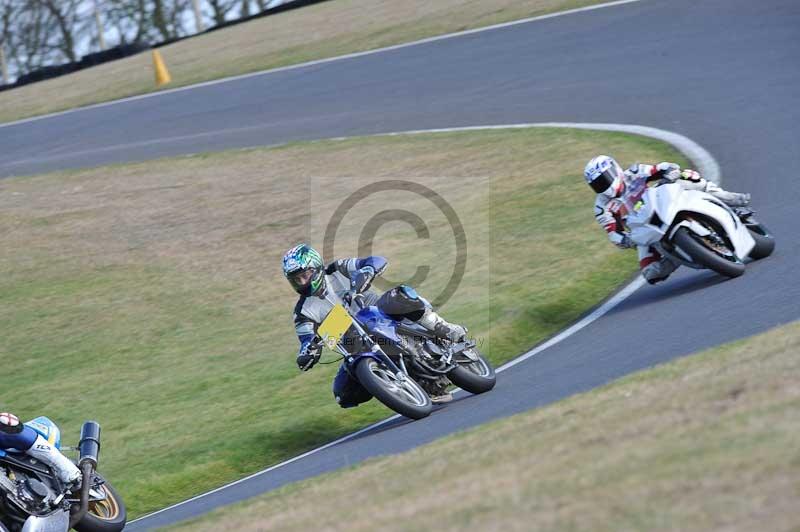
{"points": [[396, 361]]}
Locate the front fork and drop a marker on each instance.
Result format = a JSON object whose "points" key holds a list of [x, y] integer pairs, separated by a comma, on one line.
{"points": [[375, 352], [674, 257]]}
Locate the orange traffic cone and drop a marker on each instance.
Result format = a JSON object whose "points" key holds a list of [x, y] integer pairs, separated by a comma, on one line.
{"points": [[162, 74]]}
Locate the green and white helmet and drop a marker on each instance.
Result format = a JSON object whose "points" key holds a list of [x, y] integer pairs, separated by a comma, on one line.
{"points": [[303, 268]]}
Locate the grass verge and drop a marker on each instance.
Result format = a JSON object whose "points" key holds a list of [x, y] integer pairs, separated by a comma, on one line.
{"points": [[708, 442], [149, 296], [318, 31]]}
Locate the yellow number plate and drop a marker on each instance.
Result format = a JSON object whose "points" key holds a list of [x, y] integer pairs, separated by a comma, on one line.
{"points": [[334, 326]]}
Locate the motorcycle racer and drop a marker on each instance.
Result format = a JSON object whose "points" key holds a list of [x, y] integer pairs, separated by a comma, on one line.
{"points": [[16, 436], [606, 177], [318, 284]]}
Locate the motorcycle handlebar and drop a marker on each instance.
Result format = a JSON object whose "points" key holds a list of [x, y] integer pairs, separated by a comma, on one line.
{"points": [[359, 299], [355, 297]]}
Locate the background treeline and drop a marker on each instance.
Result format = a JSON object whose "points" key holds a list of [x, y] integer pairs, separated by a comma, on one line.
{"points": [[44, 38]]}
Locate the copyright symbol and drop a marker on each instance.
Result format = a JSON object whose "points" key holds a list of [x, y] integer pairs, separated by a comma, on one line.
{"points": [[373, 225]]}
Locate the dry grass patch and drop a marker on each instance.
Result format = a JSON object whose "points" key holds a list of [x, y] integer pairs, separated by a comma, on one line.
{"points": [[323, 30], [708, 442], [161, 282]]}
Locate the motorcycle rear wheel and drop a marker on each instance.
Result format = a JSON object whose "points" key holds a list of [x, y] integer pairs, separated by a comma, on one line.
{"points": [[405, 396], [108, 515], [702, 254]]}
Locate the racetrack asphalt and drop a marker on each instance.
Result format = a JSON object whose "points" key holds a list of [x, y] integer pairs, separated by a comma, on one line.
{"points": [[725, 73]]}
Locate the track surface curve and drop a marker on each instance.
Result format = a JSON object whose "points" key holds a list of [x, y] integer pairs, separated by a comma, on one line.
{"points": [[722, 72]]}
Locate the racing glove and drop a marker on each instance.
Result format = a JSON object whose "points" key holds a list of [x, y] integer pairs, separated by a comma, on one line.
{"points": [[691, 175], [669, 171], [309, 355], [362, 279]]}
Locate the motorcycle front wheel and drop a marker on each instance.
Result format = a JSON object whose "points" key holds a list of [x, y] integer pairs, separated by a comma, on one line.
{"points": [[708, 254], [402, 395], [106, 515], [474, 376], [765, 242]]}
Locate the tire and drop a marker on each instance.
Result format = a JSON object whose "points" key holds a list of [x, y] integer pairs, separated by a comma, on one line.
{"points": [[109, 515], [404, 397], [476, 377], [765, 242], [687, 241]]}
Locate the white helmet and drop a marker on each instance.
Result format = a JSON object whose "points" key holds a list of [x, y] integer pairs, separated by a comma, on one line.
{"points": [[605, 176]]}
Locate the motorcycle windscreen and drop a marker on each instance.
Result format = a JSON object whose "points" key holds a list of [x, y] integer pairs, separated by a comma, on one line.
{"points": [[334, 326]]}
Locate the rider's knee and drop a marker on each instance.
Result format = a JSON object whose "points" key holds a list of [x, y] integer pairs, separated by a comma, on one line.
{"points": [[344, 403]]}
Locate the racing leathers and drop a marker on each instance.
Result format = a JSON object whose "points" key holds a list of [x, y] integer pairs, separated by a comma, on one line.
{"points": [[343, 278], [609, 212], [18, 437]]}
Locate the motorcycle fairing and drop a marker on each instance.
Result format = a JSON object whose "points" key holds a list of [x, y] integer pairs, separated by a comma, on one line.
{"points": [[25, 462], [650, 216], [737, 233], [377, 322], [47, 429], [653, 215]]}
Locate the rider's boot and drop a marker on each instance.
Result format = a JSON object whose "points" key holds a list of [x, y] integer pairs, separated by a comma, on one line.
{"points": [[732, 199], [445, 330], [60, 464], [441, 328], [441, 397], [656, 268], [437, 391]]}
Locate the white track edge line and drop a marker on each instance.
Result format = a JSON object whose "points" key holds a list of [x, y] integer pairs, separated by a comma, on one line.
{"points": [[703, 161], [320, 61]]}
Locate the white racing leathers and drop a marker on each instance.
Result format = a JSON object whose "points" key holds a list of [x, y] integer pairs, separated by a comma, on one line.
{"points": [[654, 267]]}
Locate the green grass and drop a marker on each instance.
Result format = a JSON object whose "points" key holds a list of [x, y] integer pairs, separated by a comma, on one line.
{"points": [[149, 296], [707, 442], [318, 31]]}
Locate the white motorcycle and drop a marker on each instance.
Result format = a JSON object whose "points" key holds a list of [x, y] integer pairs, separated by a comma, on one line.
{"points": [[694, 228]]}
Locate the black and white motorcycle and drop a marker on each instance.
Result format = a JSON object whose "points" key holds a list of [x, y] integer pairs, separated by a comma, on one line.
{"points": [[33, 499], [694, 228]]}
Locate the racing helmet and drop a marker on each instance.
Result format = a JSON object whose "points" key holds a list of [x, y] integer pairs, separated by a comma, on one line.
{"points": [[10, 424], [303, 268], [605, 176]]}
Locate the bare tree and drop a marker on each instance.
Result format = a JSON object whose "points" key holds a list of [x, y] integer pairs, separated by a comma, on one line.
{"points": [[64, 17], [160, 20], [31, 46], [147, 20], [130, 18], [221, 8], [35, 33], [167, 17], [7, 11]]}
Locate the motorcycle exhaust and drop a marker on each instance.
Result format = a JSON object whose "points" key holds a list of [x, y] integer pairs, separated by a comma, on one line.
{"points": [[89, 449], [89, 446]]}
